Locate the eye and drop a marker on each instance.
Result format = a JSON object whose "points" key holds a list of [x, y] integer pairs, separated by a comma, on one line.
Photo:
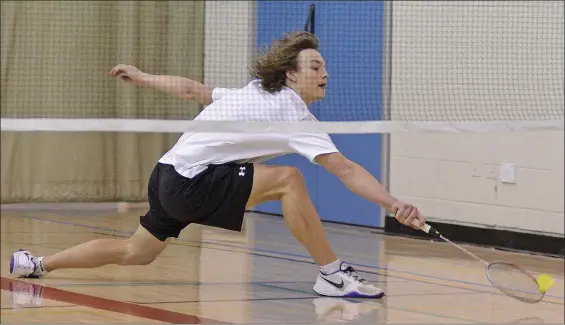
{"points": [[315, 68]]}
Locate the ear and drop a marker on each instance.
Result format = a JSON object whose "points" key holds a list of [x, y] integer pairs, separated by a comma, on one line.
{"points": [[291, 75]]}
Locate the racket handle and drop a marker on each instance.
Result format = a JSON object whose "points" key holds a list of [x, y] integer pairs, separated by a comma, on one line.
{"points": [[430, 230]]}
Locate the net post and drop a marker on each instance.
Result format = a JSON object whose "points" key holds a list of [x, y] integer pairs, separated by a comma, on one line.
{"points": [[311, 19], [386, 92]]}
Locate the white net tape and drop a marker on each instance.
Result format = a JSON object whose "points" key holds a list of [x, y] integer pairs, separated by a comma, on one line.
{"points": [[174, 126]]}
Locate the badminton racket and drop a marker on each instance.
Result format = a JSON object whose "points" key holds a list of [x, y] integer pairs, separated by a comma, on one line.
{"points": [[509, 278]]}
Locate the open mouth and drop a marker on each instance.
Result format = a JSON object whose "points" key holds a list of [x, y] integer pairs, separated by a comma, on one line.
{"points": [[323, 85]]}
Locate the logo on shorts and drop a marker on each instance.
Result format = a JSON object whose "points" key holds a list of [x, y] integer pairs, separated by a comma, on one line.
{"points": [[241, 171]]}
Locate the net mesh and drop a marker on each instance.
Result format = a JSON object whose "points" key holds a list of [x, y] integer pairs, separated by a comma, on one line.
{"points": [[393, 66], [56, 56], [477, 60], [421, 61]]}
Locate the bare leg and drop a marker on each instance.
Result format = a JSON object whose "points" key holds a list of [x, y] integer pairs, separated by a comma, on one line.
{"points": [[287, 185], [142, 248]]}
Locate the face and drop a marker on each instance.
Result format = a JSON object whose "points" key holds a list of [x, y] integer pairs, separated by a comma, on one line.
{"points": [[311, 78]]}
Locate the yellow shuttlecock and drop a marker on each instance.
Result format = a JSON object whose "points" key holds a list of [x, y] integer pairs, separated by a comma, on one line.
{"points": [[544, 282]]}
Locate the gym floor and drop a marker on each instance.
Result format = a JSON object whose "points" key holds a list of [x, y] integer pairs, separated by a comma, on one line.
{"points": [[261, 275]]}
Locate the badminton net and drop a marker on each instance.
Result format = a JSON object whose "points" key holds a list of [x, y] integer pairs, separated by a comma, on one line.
{"points": [[422, 66]]}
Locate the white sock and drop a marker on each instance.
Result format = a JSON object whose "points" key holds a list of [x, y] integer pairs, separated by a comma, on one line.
{"points": [[39, 269], [330, 268]]}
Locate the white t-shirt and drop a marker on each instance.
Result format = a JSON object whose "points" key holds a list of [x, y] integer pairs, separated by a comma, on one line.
{"points": [[194, 151]]}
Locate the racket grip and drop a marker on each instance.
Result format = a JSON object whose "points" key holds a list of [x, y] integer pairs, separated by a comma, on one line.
{"points": [[430, 230]]}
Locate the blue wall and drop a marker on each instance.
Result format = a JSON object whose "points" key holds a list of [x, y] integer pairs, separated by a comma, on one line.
{"points": [[350, 33]]}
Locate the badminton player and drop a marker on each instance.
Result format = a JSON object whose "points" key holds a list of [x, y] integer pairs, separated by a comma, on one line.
{"points": [[212, 178]]}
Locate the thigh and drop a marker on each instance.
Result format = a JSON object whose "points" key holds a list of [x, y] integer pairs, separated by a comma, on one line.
{"points": [[269, 183]]}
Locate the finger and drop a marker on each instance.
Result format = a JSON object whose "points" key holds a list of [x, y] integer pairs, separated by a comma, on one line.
{"points": [[413, 216], [421, 220], [417, 223], [120, 68], [114, 70], [121, 74], [404, 213], [398, 213]]}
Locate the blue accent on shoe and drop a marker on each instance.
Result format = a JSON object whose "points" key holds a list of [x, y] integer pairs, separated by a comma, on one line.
{"points": [[355, 295], [12, 264], [32, 275], [359, 295], [12, 260]]}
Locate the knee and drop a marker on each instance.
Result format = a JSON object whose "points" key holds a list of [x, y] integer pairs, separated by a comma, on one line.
{"points": [[291, 178], [135, 256]]}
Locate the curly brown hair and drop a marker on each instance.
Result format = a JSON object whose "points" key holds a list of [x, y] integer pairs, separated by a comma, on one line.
{"points": [[271, 66]]}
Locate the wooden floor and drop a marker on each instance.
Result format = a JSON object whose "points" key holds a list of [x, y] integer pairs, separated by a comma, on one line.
{"points": [[260, 275]]}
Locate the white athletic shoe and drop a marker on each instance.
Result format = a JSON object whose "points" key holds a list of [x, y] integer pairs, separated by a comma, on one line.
{"points": [[345, 283], [25, 265]]}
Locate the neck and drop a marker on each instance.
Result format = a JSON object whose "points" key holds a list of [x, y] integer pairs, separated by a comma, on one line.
{"points": [[296, 89]]}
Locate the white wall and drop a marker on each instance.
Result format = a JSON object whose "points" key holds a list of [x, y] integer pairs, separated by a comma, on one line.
{"points": [[229, 42], [476, 61]]}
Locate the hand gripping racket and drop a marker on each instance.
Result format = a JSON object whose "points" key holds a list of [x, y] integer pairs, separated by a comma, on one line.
{"points": [[509, 278]]}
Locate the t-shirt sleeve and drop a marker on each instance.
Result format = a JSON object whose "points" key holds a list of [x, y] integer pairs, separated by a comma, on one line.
{"points": [[218, 92], [312, 145]]}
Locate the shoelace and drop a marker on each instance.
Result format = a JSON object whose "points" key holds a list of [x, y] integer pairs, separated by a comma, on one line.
{"points": [[352, 273]]}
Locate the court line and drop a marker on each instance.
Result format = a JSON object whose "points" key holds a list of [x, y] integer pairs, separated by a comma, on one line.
{"points": [[302, 256], [298, 298], [363, 265], [220, 300], [372, 272], [289, 259], [116, 306], [184, 283], [38, 307], [390, 307], [71, 299], [386, 295]]}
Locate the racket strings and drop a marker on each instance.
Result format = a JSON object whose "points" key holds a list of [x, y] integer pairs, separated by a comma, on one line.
{"points": [[514, 281]]}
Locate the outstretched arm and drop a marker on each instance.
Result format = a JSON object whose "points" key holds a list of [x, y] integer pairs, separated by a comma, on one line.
{"points": [[358, 180], [180, 87]]}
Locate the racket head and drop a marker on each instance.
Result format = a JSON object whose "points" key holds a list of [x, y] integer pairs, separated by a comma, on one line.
{"points": [[514, 281]]}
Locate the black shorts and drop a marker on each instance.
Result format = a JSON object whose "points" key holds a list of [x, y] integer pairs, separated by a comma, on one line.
{"points": [[216, 197]]}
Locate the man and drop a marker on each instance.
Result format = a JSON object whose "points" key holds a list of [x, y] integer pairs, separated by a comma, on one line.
{"points": [[211, 178]]}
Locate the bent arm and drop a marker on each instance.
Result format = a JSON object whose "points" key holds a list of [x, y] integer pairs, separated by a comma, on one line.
{"points": [[357, 179], [180, 87]]}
